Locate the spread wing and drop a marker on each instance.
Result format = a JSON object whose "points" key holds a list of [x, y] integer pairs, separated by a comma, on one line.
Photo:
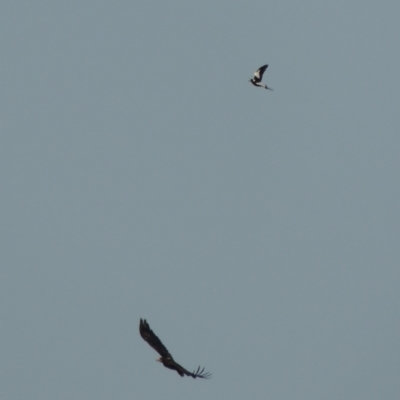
{"points": [[199, 373], [151, 338], [259, 73]]}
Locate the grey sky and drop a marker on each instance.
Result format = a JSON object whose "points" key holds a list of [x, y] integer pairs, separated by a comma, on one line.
{"points": [[144, 176]]}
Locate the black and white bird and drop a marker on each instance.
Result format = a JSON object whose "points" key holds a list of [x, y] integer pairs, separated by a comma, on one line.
{"points": [[256, 81]]}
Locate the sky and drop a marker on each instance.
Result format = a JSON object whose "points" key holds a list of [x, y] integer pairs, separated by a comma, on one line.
{"points": [[143, 176]]}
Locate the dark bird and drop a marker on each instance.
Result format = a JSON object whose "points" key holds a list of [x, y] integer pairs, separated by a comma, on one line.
{"points": [[150, 337], [256, 81]]}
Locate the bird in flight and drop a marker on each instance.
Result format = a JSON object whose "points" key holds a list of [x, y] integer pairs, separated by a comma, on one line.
{"points": [[256, 80], [150, 337]]}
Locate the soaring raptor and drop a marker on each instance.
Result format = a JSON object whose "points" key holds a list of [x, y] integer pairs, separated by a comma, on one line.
{"points": [[150, 337]]}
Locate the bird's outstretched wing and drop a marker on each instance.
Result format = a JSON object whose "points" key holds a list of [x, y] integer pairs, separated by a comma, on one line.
{"points": [[199, 373], [151, 338], [259, 73]]}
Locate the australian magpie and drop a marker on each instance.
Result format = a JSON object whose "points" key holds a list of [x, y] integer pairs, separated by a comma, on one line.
{"points": [[256, 81]]}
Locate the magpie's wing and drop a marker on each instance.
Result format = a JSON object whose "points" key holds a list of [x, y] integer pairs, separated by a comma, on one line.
{"points": [[259, 73]]}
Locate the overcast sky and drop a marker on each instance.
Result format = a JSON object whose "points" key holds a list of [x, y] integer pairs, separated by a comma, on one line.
{"points": [[142, 175]]}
